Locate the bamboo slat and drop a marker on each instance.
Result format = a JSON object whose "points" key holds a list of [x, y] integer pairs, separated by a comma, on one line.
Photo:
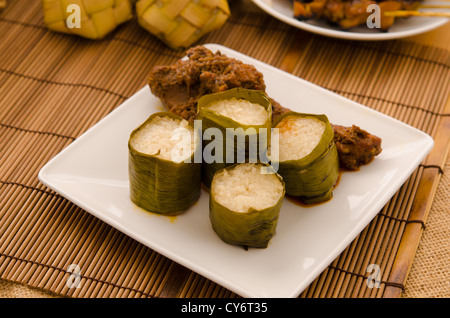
{"points": [[54, 87]]}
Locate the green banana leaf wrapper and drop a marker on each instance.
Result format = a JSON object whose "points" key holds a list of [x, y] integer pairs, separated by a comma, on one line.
{"points": [[159, 185], [254, 228], [242, 151], [312, 178]]}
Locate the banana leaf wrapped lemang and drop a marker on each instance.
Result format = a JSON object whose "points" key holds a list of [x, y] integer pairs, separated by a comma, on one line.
{"points": [[244, 204], [92, 19], [308, 159], [180, 23], [236, 126], [163, 173]]}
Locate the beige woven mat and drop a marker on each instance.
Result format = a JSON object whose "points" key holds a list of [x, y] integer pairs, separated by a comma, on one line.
{"points": [[430, 271], [41, 72]]}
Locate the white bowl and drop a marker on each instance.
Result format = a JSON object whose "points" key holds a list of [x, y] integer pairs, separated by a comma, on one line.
{"points": [[403, 27]]}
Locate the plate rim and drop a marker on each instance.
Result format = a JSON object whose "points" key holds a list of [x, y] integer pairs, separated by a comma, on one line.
{"points": [[42, 175], [347, 35]]}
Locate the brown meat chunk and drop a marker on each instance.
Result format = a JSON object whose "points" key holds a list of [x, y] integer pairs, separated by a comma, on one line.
{"points": [[180, 85], [355, 146]]}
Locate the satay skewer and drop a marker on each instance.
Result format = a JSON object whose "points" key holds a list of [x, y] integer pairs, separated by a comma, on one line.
{"points": [[415, 13], [434, 6]]}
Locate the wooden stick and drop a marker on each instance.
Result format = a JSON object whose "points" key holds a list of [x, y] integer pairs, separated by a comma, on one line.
{"points": [[434, 6], [2, 4], [410, 13]]}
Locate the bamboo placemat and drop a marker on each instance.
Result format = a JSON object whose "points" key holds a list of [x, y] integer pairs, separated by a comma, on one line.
{"points": [[54, 87]]}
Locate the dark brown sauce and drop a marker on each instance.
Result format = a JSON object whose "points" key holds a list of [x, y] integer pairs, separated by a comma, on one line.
{"points": [[338, 180], [298, 201], [205, 188]]}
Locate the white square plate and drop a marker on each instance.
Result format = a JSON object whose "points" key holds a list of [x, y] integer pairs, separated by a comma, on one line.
{"points": [[92, 172]]}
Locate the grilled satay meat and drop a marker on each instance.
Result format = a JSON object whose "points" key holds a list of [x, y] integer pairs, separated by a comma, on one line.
{"points": [[180, 85], [356, 147], [308, 9], [349, 13]]}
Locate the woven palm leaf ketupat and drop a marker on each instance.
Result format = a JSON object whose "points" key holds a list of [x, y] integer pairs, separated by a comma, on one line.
{"points": [[97, 17], [180, 23]]}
